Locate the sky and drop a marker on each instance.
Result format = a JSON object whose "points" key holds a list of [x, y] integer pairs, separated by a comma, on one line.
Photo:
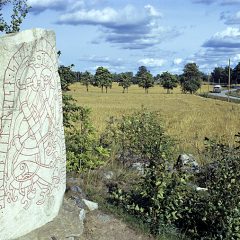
{"points": [[121, 35]]}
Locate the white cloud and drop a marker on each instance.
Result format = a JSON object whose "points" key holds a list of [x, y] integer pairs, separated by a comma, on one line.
{"points": [[128, 16], [230, 32], [93, 16], [129, 27], [236, 58], [41, 5], [38, 6], [153, 11], [230, 18], [228, 38], [152, 62], [177, 61]]}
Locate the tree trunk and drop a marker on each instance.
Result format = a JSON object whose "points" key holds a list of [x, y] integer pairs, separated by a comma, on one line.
{"points": [[106, 89], [127, 90], [102, 88], [168, 90], [87, 88], [123, 90]]}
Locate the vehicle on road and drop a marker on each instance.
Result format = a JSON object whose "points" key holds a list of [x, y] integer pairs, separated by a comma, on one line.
{"points": [[217, 88]]}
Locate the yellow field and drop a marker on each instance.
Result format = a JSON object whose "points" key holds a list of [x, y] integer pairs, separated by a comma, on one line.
{"points": [[188, 118]]}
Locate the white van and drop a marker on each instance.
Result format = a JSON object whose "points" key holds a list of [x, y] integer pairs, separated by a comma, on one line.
{"points": [[217, 89]]}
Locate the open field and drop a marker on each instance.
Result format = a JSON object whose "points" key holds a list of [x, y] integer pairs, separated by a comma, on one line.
{"points": [[188, 118]]}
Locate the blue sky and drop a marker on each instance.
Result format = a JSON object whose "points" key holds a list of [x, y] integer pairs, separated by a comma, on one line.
{"points": [[122, 35]]}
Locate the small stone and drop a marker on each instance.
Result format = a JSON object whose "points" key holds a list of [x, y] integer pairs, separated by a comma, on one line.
{"points": [[201, 189], [186, 162], [138, 166], [91, 205], [76, 189], [82, 215], [108, 175]]}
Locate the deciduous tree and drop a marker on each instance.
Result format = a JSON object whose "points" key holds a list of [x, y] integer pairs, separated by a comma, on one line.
{"points": [[86, 79], [144, 78], [168, 81], [19, 12], [67, 76], [125, 80], [103, 78], [220, 75], [191, 78], [236, 74]]}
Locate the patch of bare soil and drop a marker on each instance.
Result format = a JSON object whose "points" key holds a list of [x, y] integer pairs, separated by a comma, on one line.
{"points": [[100, 226]]}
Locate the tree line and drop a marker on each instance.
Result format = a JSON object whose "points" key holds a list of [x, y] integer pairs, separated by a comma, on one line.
{"points": [[190, 80]]}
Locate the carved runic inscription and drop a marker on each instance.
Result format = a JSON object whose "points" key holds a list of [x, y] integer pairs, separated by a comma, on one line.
{"points": [[32, 152]]}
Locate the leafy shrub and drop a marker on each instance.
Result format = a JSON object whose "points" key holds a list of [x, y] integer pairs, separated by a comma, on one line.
{"points": [[166, 197], [137, 137], [83, 148], [157, 197]]}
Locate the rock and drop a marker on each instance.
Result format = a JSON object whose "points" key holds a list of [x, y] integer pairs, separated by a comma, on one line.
{"points": [[76, 189], [138, 166], [82, 215], [108, 175], [69, 224], [186, 162], [91, 205], [32, 146], [201, 189]]}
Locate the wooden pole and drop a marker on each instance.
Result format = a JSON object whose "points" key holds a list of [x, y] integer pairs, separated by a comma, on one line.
{"points": [[229, 79], [208, 81]]}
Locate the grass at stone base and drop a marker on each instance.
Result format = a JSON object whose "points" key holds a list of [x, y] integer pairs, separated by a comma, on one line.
{"points": [[95, 187], [187, 118]]}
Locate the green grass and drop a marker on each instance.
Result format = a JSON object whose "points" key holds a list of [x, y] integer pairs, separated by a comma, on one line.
{"points": [[187, 118]]}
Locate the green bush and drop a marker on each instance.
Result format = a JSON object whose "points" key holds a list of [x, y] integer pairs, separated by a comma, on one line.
{"points": [[83, 148], [166, 197], [137, 137], [157, 196]]}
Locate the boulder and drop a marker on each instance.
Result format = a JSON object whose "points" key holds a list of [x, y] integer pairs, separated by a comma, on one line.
{"points": [[91, 205], [139, 167], [186, 162], [32, 146]]}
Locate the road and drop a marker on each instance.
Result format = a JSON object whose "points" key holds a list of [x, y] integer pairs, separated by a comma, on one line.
{"points": [[223, 94]]}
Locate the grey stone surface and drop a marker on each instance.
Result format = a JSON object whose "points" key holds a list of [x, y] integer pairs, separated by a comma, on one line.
{"points": [[186, 162], [108, 175], [138, 166], [32, 147], [91, 205], [67, 225]]}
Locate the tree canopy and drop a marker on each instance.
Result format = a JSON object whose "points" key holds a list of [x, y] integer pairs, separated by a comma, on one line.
{"points": [[191, 78], [236, 74], [86, 79], [220, 75], [125, 80], [144, 78], [168, 81], [67, 76], [103, 78], [19, 12]]}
